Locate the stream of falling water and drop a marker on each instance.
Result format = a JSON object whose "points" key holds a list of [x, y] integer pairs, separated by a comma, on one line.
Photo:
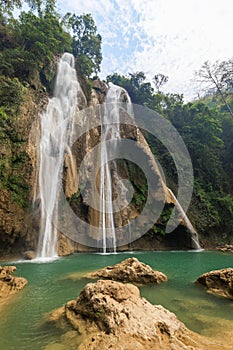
{"points": [[57, 124], [194, 235], [56, 132], [110, 130]]}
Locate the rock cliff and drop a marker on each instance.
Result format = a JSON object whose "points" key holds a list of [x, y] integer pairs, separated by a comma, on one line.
{"points": [[88, 181], [19, 203]]}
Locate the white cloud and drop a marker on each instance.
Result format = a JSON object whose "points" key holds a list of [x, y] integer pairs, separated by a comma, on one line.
{"points": [[167, 36]]}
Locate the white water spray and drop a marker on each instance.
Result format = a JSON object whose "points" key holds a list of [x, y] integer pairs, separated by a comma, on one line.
{"points": [[110, 130], [56, 133]]}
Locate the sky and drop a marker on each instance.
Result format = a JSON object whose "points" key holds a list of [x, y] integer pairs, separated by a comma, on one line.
{"points": [[172, 37]]}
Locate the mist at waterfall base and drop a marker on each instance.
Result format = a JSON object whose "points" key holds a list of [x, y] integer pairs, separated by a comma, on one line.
{"points": [[51, 285], [57, 129]]}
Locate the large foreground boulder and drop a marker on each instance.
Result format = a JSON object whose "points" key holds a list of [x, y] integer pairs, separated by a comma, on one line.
{"points": [[10, 284], [218, 282], [112, 315], [130, 270]]}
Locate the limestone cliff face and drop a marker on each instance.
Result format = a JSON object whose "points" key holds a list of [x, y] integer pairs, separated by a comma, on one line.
{"points": [[89, 120], [19, 203]]}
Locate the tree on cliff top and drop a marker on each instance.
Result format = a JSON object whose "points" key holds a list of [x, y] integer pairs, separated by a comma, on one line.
{"points": [[86, 43], [140, 91]]}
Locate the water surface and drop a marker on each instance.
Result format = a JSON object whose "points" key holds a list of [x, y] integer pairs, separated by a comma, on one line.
{"points": [[50, 287]]}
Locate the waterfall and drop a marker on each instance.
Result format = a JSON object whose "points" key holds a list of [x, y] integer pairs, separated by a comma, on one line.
{"points": [[194, 235], [56, 132], [110, 130]]}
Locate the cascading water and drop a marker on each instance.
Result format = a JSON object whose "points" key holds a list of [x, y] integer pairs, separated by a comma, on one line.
{"points": [[194, 235], [56, 132], [55, 144], [110, 130]]}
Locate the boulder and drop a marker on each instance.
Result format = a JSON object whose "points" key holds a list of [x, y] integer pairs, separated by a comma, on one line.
{"points": [[110, 314], [29, 255], [10, 284], [218, 282], [130, 270]]}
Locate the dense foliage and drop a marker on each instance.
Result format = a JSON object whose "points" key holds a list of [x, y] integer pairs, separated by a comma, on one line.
{"points": [[86, 43], [29, 44], [206, 127], [29, 48]]}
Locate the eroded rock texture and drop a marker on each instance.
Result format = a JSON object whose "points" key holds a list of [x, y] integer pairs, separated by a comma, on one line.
{"points": [[218, 282], [112, 315], [130, 270], [10, 284]]}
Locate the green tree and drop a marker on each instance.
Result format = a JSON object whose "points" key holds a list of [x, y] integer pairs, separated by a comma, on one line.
{"points": [[86, 44], [8, 6], [30, 44], [140, 91]]}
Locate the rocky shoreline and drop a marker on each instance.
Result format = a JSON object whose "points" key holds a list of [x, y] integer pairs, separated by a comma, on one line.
{"points": [[9, 285], [30, 255]]}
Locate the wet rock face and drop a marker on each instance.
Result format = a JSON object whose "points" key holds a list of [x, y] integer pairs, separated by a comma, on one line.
{"points": [[10, 284], [101, 89], [109, 314], [64, 246], [218, 282], [130, 270]]}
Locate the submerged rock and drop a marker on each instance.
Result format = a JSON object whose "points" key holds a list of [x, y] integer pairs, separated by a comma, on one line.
{"points": [[110, 314], [130, 270], [218, 282], [10, 284]]}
